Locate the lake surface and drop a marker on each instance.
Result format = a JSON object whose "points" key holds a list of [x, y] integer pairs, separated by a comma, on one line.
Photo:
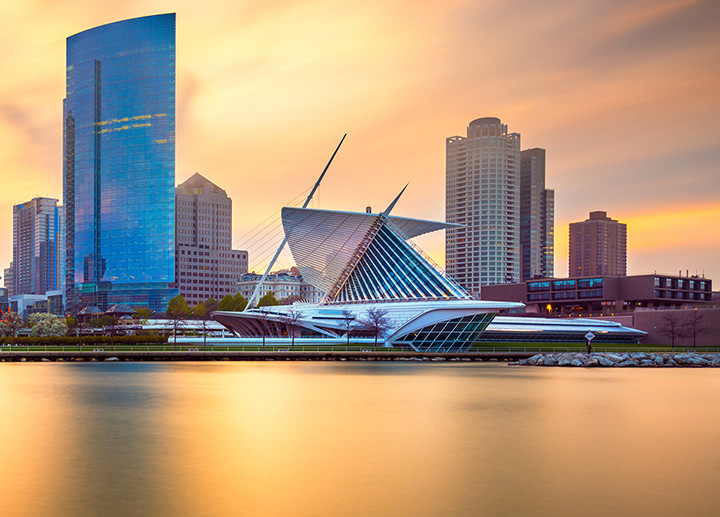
{"points": [[310, 438]]}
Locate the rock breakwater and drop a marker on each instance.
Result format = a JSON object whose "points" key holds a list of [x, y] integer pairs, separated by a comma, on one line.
{"points": [[617, 360]]}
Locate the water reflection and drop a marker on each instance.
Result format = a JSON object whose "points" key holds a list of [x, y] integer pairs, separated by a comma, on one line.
{"points": [[304, 438]]}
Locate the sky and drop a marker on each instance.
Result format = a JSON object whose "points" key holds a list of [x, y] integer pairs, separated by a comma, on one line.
{"points": [[623, 94]]}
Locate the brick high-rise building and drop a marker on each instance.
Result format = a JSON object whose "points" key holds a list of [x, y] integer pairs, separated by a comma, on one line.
{"points": [[483, 195], [598, 246], [205, 263]]}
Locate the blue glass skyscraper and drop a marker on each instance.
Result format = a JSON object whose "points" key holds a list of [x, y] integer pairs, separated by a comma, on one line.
{"points": [[119, 164]]}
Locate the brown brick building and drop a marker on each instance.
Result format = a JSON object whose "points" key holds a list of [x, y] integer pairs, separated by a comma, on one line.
{"points": [[598, 246]]}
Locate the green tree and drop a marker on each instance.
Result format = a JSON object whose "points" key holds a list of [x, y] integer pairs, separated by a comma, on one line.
{"points": [[230, 303], [239, 303], [71, 322], [103, 321], [268, 300], [45, 324], [177, 310], [202, 312], [10, 324], [143, 313], [211, 305], [225, 303]]}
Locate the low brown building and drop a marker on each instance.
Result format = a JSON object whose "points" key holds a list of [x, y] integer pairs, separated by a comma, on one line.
{"points": [[604, 294]]}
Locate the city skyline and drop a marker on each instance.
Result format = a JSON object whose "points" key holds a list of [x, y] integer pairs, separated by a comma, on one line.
{"points": [[623, 96]]}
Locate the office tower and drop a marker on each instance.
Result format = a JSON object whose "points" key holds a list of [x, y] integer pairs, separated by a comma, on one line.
{"points": [[38, 261], [537, 216], [483, 195], [206, 264], [119, 164], [598, 246]]}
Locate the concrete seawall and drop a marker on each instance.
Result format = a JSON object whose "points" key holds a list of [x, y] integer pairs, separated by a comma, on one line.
{"points": [[70, 356]]}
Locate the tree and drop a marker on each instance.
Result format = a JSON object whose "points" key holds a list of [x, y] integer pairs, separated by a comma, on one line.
{"points": [[105, 320], [45, 324], [239, 302], [225, 303], [202, 312], [9, 325], [177, 310], [377, 322], [671, 327], [695, 325], [268, 300], [289, 300], [348, 317], [292, 321], [143, 313], [232, 303]]}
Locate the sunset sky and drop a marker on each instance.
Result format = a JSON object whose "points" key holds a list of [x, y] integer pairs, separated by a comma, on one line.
{"points": [[623, 95]]}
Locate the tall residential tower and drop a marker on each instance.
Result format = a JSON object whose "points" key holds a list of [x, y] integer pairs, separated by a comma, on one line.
{"points": [[38, 258], [537, 216], [119, 164], [483, 195], [598, 246]]}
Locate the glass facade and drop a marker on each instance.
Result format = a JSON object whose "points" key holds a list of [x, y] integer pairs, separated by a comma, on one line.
{"points": [[119, 164], [391, 269], [455, 335]]}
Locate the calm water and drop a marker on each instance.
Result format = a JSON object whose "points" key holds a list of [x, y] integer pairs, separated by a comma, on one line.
{"points": [[301, 438]]}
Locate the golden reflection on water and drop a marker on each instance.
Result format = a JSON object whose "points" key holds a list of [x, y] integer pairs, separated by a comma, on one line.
{"points": [[303, 438]]}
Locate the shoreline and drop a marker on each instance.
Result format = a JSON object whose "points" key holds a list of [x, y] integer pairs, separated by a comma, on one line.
{"points": [[623, 360]]}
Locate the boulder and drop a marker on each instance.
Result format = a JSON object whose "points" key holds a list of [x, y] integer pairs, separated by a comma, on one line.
{"points": [[564, 360], [604, 361], [616, 358], [627, 362]]}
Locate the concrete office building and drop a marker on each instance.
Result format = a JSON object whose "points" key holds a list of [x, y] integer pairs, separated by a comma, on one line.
{"points": [[598, 246], [38, 258], [283, 284], [205, 263], [483, 195], [537, 217], [119, 164]]}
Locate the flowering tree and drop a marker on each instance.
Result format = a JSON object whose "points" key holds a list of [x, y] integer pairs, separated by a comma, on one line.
{"points": [[46, 324], [9, 325]]}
